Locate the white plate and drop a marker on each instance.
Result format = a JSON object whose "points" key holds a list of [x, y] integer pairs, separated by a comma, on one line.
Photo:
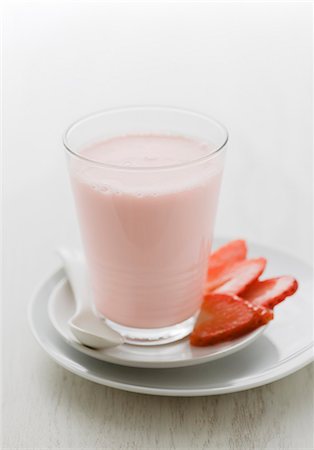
{"points": [[286, 346], [61, 308]]}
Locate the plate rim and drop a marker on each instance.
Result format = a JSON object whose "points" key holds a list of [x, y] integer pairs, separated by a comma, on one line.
{"points": [[199, 392]]}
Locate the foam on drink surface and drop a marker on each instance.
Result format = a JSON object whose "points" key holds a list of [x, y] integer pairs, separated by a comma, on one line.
{"points": [[140, 152]]}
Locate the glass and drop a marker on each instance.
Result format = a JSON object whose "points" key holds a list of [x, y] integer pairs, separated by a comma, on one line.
{"points": [[146, 222]]}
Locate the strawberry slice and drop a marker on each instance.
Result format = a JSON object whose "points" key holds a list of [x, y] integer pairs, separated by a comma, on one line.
{"points": [[269, 293], [224, 317], [226, 256], [235, 278]]}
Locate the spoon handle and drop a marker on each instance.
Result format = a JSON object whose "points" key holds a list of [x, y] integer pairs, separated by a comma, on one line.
{"points": [[75, 269]]}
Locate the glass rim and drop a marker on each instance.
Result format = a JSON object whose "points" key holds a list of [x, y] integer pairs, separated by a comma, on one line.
{"points": [[202, 159]]}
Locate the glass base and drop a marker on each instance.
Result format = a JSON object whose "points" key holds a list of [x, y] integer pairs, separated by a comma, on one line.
{"points": [[154, 336]]}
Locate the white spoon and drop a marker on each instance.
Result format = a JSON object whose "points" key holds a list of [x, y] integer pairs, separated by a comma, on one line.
{"points": [[85, 326]]}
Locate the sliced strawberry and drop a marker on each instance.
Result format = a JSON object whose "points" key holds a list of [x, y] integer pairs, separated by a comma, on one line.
{"points": [[226, 256], [269, 293], [224, 317], [234, 279]]}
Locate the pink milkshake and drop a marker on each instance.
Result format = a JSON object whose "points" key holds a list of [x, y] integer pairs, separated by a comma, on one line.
{"points": [[146, 205]]}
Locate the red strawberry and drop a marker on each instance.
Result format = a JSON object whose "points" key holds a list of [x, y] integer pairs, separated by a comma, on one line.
{"points": [[269, 293], [234, 279], [226, 256], [224, 317]]}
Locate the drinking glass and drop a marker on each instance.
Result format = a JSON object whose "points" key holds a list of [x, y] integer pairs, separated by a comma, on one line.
{"points": [[146, 228]]}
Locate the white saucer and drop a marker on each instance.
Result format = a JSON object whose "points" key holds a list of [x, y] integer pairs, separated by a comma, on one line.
{"points": [[286, 345], [61, 308]]}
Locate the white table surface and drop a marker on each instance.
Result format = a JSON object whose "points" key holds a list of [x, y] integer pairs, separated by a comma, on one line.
{"points": [[247, 64]]}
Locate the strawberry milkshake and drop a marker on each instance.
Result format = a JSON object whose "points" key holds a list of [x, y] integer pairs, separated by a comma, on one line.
{"points": [[146, 205]]}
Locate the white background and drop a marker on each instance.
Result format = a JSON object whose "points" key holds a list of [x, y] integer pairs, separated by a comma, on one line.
{"points": [[247, 64]]}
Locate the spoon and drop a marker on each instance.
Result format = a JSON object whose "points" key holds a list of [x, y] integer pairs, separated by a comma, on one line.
{"points": [[84, 325]]}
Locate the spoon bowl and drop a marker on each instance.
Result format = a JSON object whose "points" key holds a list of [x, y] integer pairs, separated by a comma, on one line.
{"points": [[93, 332]]}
